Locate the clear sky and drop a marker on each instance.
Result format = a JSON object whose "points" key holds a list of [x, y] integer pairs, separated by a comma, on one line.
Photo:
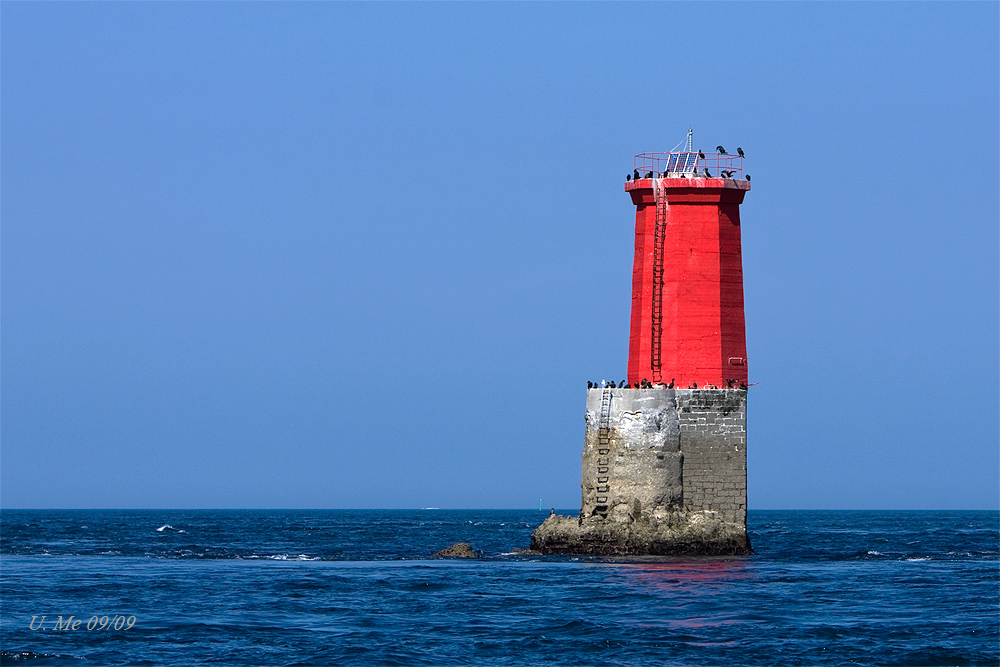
{"points": [[320, 255]]}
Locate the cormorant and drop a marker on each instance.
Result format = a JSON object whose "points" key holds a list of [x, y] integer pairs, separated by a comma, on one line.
{"points": [[708, 174], [747, 177], [635, 174], [721, 150], [628, 177], [743, 386], [701, 155], [739, 151], [590, 385], [671, 385], [649, 174], [694, 385]]}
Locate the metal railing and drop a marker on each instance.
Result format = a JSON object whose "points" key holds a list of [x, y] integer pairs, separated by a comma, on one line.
{"points": [[689, 164]]}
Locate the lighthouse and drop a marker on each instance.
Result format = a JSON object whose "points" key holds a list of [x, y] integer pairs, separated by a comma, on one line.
{"points": [[687, 278], [664, 458]]}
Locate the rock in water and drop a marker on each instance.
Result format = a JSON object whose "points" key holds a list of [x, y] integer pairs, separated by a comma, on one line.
{"points": [[458, 550], [672, 534]]}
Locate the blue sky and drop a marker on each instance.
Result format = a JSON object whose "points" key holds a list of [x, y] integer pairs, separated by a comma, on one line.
{"points": [[368, 255]]}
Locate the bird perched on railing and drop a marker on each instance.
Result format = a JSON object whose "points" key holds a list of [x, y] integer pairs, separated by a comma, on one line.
{"points": [[747, 177], [701, 155], [635, 174], [708, 174], [628, 177], [722, 151], [739, 151], [649, 174]]}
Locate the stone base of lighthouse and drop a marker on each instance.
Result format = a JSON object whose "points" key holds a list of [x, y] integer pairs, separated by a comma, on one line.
{"points": [[664, 473]]}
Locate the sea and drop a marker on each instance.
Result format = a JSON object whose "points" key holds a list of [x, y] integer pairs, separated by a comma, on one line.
{"points": [[361, 587]]}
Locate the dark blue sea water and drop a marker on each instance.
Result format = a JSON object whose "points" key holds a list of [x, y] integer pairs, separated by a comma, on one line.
{"points": [[359, 588]]}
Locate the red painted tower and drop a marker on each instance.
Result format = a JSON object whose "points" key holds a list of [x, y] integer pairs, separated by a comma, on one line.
{"points": [[687, 279]]}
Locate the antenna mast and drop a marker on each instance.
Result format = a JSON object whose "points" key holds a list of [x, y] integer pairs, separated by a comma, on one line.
{"points": [[690, 139]]}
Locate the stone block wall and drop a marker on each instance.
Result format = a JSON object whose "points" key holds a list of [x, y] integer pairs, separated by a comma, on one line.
{"points": [[665, 450]]}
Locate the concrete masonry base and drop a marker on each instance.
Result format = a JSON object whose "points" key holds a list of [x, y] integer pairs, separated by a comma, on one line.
{"points": [[664, 473]]}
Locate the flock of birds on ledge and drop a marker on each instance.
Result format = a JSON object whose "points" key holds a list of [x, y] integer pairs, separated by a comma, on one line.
{"points": [[646, 384], [724, 173]]}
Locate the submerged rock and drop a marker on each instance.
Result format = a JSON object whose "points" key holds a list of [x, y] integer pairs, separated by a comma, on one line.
{"points": [[458, 550], [642, 534]]}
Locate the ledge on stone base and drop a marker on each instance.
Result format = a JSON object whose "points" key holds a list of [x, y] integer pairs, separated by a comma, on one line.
{"points": [[680, 534]]}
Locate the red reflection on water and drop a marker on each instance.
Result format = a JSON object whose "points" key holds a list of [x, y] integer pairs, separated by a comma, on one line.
{"points": [[683, 575]]}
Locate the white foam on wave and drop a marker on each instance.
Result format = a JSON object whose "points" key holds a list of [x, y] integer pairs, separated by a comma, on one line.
{"points": [[875, 553], [167, 526]]}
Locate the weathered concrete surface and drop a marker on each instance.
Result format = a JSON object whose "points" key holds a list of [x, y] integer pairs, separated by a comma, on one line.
{"points": [[664, 472]]}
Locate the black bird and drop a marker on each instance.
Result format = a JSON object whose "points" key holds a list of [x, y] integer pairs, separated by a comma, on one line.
{"points": [[748, 177], [727, 174], [635, 174], [739, 151], [729, 384], [612, 385], [671, 385], [628, 177], [708, 174], [665, 173], [590, 385], [694, 385], [743, 386], [701, 155], [721, 150], [649, 174], [622, 384]]}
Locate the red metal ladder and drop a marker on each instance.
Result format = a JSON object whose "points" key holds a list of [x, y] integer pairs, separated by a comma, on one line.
{"points": [[659, 237]]}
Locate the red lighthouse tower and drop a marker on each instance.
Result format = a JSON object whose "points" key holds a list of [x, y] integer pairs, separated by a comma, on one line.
{"points": [[687, 278]]}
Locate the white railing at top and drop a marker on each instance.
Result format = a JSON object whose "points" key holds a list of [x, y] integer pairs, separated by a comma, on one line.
{"points": [[688, 163]]}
